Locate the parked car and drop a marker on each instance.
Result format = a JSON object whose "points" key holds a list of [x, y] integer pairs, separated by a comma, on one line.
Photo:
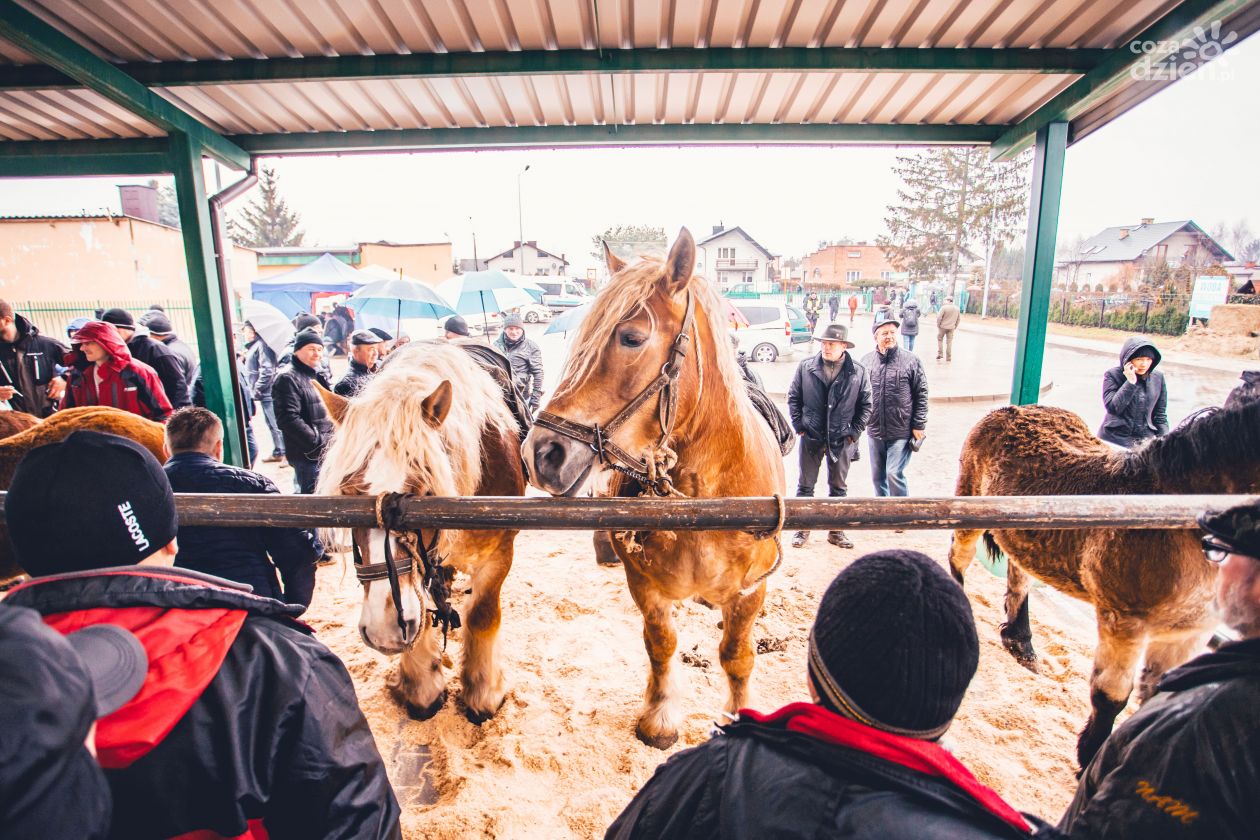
{"points": [[774, 329], [533, 313], [559, 293]]}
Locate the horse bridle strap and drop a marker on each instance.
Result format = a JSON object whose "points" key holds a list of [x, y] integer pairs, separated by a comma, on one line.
{"points": [[598, 437]]}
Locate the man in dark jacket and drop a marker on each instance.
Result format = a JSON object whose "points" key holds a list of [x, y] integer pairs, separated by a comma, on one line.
{"points": [[364, 345], [194, 445], [909, 324], [899, 404], [161, 331], [829, 401], [300, 413], [246, 725], [169, 367], [1134, 396], [526, 359], [260, 373], [1187, 764], [891, 653], [309, 322], [29, 378]]}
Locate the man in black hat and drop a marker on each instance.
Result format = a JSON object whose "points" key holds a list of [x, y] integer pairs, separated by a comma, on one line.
{"points": [[169, 368], [300, 414], [891, 653], [526, 359], [455, 328], [246, 725], [161, 331], [306, 321], [829, 401], [899, 404], [53, 689], [364, 347], [1187, 764]]}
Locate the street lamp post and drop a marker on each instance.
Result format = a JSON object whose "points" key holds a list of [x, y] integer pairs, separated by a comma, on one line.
{"points": [[520, 218], [472, 227]]}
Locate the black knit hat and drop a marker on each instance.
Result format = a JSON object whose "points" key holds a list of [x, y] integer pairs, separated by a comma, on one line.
{"points": [[305, 321], [894, 644], [119, 318], [306, 337], [112, 488]]}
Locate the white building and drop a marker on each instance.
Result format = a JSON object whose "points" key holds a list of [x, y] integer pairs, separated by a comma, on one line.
{"points": [[731, 257], [533, 260]]}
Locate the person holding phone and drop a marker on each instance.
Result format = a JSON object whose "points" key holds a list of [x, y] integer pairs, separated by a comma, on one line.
{"points": [[1134, 396], [30, 365]]}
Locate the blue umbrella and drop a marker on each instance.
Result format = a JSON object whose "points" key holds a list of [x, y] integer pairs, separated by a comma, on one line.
{"points": [[398, 299], [484, 292], [569, 320]]}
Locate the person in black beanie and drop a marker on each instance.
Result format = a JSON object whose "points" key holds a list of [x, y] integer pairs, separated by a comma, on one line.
{"points": [[300, 413], [891, 653], [170, 367], [237, 695]]}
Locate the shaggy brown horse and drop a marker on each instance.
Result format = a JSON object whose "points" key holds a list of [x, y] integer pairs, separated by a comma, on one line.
{"points": [[1152, 589], [431, 422], [13, 448], [12, 422], [697, 435]]}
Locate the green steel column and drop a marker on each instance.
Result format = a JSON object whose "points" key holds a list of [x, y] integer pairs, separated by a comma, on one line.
{"points": [[1043, 230], [213, 342]]}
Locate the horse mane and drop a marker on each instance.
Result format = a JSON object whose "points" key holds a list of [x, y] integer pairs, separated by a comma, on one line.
{"points": [[1203, 454], [384, 442]]}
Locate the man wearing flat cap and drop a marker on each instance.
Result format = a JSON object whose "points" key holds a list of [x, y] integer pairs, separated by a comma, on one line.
{"points": [[455, 328], [364, 348], [829, 401], [1187, 764]]}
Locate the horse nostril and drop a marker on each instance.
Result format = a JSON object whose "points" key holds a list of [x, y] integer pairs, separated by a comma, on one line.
{"points": [[553, 455]]}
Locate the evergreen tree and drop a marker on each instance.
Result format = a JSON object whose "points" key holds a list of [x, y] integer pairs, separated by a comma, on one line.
{"points": [[630, 241], [168, 206], [267, 222], [951, 201]]}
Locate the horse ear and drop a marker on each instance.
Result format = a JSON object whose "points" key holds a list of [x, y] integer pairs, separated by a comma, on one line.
{"points": [[613, 262], [681, 262], [335, 404], [438, 404]]}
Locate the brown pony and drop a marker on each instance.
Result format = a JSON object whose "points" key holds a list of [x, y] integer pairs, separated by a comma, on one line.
{"points": [[715, 444], [432, 422], [1152, 589], [58, 427], [12, 422]]}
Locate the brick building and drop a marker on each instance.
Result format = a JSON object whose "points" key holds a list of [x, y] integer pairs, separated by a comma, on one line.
{"points": [[844, 265]]}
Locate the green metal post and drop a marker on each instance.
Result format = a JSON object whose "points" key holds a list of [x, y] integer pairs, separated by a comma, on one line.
{"points": [[1043, 230], [213, 341]]}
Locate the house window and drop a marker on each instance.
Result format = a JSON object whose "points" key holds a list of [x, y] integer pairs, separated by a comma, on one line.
{"points": [[726, 253], [855, 255], [853, 276], [818, 272], [885, 275]]}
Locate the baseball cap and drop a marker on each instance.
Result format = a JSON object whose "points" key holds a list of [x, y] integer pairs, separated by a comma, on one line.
{"points": [[157, 322], [361, 337], [456, 324], [119, 318], [115, 491]]}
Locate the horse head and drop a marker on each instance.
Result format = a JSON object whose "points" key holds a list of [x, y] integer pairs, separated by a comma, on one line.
{"points": [[617, 403]]}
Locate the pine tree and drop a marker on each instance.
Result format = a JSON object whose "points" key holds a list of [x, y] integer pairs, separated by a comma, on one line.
{"points": [[267, 222], [630, 241], [953, 199], [168, 205]]}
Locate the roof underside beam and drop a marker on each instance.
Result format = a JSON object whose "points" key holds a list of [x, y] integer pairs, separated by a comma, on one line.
{"points": [[543, 62], [32, 35], [570, 136], [52, 158], [1124, 68]]}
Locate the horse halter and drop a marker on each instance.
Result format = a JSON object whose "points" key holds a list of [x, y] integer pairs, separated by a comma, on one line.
{"points": [[647, 471], [388, 516]]}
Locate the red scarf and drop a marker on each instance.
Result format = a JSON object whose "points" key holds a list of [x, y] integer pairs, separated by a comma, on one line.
{"points": [[912, 753]]}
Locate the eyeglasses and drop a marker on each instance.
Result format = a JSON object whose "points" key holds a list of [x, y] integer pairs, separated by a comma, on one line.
{"points": [[1215, 551]]}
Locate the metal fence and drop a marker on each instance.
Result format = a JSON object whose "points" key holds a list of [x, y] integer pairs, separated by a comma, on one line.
{"points": [[52, 317], [1168, 315]]}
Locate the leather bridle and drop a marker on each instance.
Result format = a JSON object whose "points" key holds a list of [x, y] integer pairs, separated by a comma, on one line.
{"points": [[649, 471]]}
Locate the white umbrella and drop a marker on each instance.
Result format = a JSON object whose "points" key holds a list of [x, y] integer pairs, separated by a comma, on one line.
{"points": [[484, 292], [275, 330]]}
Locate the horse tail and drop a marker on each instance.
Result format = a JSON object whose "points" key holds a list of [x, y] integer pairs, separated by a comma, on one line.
{"points": [[991, 546]]}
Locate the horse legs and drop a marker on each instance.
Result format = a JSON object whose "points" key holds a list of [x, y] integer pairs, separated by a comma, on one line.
{"points": [[1165, 654], [481, 673], [1016, 632], [962, 550], [605, 555], [1119, 645], [736, 651], [658, 723], [422, 683]]}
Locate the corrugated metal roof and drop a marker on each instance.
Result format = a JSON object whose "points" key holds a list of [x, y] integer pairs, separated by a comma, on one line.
{"points": [[1130, 242]]}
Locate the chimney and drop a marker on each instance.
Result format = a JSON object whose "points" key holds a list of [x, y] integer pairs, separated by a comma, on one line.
{"points": [[139, 202], [717, 229], [1148, 221], [1124, 233]]}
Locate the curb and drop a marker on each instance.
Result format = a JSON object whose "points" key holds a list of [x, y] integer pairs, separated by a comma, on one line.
{"points": [[950, 398]]}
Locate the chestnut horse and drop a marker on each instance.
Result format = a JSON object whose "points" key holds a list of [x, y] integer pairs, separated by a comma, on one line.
{"points": [[652, 386], [431, 422], [1152, 590]]}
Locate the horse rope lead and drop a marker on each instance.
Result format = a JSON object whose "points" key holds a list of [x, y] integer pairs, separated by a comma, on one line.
{"points": [[652, 472], [388, 517]]}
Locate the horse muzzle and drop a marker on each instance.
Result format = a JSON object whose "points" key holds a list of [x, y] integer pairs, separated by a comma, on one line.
{"points": [[557, 464]]}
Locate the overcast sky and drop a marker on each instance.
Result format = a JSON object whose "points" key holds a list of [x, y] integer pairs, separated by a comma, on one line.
{"points": [[1189, 152]]}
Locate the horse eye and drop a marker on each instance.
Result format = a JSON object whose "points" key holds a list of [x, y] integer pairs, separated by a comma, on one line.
{"points": [[630, 339]]}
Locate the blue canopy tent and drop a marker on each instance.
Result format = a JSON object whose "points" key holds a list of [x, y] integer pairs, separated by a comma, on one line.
{"points": [[291, 292]]}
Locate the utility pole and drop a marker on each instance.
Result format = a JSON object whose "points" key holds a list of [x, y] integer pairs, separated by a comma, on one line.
{"points": [[520, 218], [473, 228]]}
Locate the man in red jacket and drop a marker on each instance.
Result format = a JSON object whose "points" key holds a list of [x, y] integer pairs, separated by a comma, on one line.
{"points": [[246, 726], [104, 373]]}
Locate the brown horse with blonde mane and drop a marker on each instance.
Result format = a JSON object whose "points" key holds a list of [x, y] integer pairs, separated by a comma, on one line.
{"points": [[431, 422], [652, 401]]}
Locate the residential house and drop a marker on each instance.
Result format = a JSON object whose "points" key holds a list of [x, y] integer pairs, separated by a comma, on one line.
{"points": [[1122, 258], [730, 257], [844, 265], [528, 259]]}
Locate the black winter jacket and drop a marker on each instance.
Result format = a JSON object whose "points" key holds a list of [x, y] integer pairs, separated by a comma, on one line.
{"points": [[247, 726], [527, 367], [300, 413], [1138, 411], [829, 414], [190, 365], [755, 781], [168, 366], [352, 383], [245, 555], [28, 364], [899, 394], [910, 319], [260, 368], [1187, 764]]}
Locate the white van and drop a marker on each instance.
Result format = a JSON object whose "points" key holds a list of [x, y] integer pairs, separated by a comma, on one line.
{"points": [[774, 329], [559, 293]]}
